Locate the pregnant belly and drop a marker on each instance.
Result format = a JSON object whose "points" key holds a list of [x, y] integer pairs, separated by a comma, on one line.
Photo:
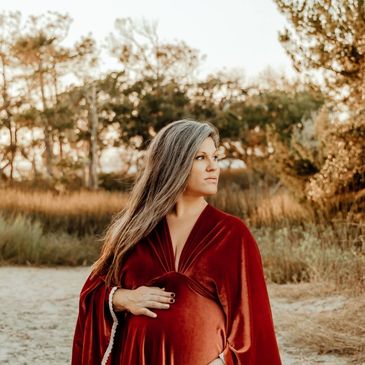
{"points": [[191, 331]]}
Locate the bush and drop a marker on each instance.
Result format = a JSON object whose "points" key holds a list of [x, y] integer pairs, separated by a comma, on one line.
{"points": [[314, 253], [22, 241]]}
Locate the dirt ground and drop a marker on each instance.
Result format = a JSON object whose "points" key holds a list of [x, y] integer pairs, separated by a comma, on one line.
{"points": [[39, 307]]}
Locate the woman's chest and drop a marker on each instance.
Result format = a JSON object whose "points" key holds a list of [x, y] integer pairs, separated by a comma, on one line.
{"points": [[147, 263]]}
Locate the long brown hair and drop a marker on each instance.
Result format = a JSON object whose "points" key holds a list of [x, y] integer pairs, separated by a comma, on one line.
{"points": [[164, 176]]}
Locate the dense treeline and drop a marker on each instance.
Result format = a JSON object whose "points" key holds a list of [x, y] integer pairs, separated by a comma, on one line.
{"points": [[325, 40], [61, 128], [61, 116]]}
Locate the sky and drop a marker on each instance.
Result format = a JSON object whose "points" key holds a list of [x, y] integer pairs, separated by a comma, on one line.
{"points": [[233, 34]]}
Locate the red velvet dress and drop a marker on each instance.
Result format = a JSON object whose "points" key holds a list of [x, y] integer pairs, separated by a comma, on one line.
{"points": [[221, 305]]}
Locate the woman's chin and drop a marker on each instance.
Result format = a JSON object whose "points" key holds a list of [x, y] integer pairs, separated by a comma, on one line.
{"points": [[211, 191]]}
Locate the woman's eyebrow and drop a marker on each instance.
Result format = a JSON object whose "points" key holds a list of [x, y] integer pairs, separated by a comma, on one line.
{"points": [[206, 153]]}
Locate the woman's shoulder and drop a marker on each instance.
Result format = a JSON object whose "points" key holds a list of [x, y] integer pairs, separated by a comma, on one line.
{"points": [[232, 222], [235, 234]]}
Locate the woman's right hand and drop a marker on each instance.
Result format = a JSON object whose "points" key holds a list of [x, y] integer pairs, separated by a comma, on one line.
{"points": [[137, 301]]}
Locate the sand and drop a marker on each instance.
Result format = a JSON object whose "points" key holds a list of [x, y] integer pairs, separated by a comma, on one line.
{"points": [[39, 308]]}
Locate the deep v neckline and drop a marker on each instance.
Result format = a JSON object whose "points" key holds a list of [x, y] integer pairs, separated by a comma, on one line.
{"points": [[184, 246]]}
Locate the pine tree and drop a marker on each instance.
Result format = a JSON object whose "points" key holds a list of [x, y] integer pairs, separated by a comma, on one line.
{"points": [[326, 42]]}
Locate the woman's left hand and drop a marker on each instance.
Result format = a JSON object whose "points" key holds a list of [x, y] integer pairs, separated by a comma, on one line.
{"points": [[217, 361]]}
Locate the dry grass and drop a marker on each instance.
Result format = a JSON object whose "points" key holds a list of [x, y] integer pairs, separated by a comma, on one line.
{"points": [[260, 206], [313, 253], [278, 208], [293, 247], [298, 292], [340, 331], [81, 202], [87, 212], [322, 319], [81, 213]]}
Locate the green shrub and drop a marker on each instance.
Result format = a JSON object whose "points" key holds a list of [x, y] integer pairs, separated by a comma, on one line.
{"points": [[311, 252], [22, 241]]}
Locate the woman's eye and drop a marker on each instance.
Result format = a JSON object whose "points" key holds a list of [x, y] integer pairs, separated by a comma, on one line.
{"points": [[215, 157]]}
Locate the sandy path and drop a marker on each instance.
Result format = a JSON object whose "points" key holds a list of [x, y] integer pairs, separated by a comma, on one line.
{"points": [[288, 310], [38, 313], [39, 309]]}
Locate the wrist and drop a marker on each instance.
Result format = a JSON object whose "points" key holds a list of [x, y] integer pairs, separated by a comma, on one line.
{"points": [[120, 300]]}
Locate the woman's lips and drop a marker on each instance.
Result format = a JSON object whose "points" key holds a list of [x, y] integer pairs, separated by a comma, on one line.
{"points": [[211, 179]]}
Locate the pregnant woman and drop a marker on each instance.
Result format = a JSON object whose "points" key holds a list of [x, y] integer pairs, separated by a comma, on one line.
{"points": [[178, 281]]}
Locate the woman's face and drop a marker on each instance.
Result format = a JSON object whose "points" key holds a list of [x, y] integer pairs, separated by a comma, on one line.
{"points": [[205, 167]]}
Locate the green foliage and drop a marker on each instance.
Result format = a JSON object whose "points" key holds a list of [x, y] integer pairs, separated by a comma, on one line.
{"points": [[116, 182], [327, 36], [82, 224], [283, 109], [22, 241], [142, 106], [313, 252], [341, 181], [327, 39], [296, 160]]}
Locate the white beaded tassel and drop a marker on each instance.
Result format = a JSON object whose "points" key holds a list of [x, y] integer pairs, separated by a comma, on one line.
{"points": [[222, 357], [114, 327]]}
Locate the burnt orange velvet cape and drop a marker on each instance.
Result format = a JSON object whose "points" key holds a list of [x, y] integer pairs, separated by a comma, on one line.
{"points": [[222, 303]]}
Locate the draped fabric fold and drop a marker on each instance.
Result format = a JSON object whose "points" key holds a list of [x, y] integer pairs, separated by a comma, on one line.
{"points": [[96, 323], [222, 306], [250, 330]]}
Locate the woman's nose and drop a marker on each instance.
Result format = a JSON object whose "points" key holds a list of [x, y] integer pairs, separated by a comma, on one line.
{"points": [[213, 165]]}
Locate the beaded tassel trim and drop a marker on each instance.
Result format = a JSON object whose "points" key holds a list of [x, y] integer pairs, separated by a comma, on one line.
{"points": [[114, 328]]}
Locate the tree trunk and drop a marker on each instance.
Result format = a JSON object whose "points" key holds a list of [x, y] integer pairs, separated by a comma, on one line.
{"points": [[13, 143], [93, 158], [47, 129]]}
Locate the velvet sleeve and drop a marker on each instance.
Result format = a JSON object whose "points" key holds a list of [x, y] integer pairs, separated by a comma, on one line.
{"points": [[243, 294], [96, 323]]}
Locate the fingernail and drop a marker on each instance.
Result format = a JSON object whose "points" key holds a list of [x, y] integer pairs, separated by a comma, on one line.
{"points": [[172, 300], [173, 295]]}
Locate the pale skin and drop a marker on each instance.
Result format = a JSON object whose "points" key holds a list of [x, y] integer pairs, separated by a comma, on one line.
{"points": [[189, 205]]}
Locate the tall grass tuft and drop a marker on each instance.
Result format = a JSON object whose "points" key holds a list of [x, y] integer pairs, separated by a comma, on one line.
{"points": [[23, 242], [314, 253], [81, 213]]}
